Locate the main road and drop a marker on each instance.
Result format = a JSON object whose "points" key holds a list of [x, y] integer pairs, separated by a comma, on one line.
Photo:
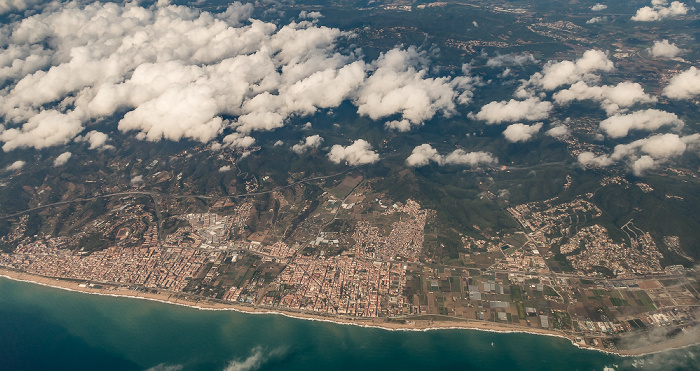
{"points": [[168, 195]]}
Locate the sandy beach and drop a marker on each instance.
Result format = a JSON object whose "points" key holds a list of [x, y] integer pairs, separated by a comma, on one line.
{"points": [[381, 323]]}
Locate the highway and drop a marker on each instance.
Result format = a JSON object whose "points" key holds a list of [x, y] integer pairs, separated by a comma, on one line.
{"points": [[154, 195]]}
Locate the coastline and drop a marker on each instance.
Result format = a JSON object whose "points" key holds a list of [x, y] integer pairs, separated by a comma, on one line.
{"points": [[378, 323]]}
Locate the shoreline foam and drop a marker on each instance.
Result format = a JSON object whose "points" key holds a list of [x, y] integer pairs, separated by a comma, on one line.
{"points": [[62, 284]]}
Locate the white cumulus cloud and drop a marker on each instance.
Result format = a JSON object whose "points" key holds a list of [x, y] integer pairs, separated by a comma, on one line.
{"points": [[589, 159], [685, 85], [513, 59], [555, 74], [358, 153], [95, 138], [558, 131], [17, 165], [311, 142], [619, 125], [238, 140], [664, 49], [598, 7], [597, 20], [644, 154], [659, 11], [642, 164], [310, 15], [612, 98], [521, 132], [398, 85], [530, 109], [398, 125], [45, 129], [461, 157], [62, 159], [424, 154]]}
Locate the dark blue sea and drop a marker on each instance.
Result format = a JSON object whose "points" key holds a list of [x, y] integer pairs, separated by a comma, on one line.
{"points": [[43, 328]]}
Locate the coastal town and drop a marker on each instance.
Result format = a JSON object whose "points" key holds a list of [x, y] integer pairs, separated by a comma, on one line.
{"points": [[366, 260]]}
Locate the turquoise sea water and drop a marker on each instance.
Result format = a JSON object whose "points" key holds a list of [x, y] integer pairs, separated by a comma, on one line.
{"points": [[42, 328]]}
